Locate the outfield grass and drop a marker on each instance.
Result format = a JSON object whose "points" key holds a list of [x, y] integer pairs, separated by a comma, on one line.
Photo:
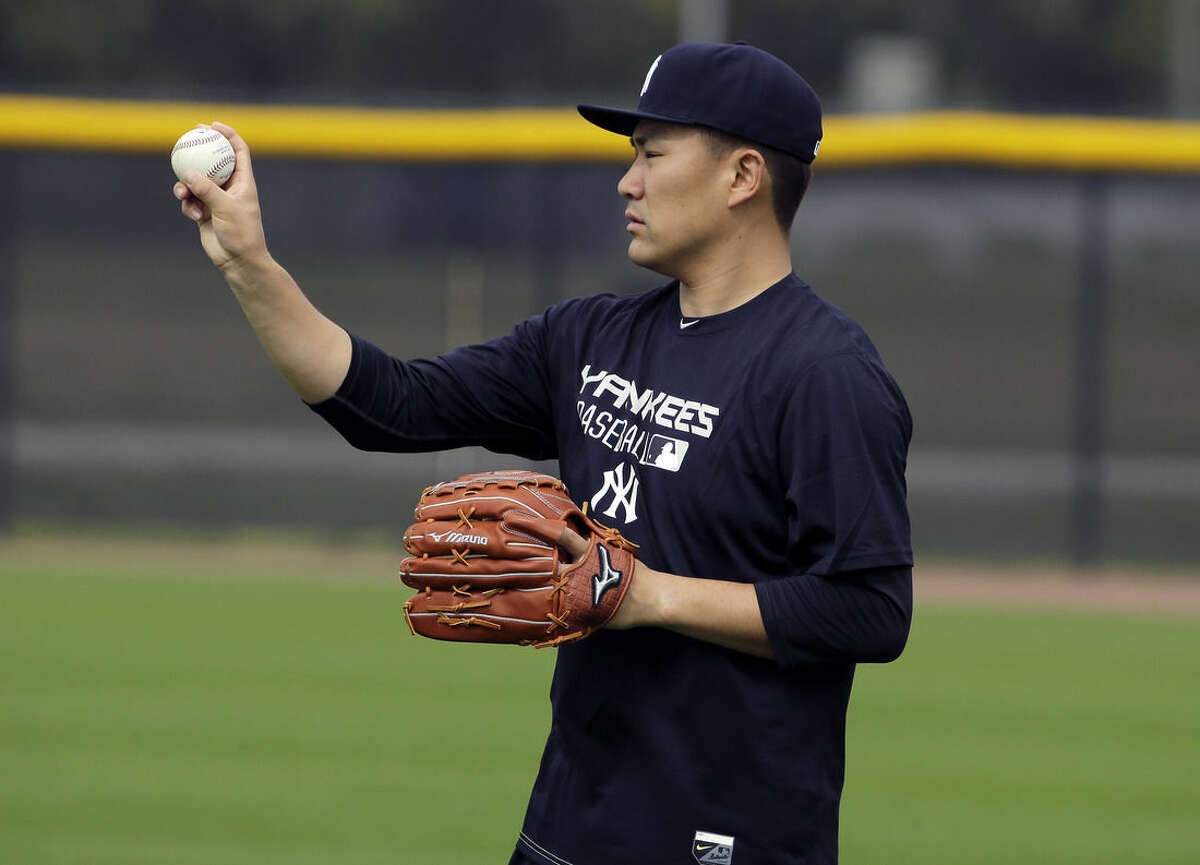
{"points": [[153, 718], [1027, 737]]}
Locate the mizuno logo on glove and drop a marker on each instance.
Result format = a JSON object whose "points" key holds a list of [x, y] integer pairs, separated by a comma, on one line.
{"points": [[606, 579], [458, 538]]}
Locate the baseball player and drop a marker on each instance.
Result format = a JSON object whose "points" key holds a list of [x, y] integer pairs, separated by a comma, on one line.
{"points": [[738, 428]]}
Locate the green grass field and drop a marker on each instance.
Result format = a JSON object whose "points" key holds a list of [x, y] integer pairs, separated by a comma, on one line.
{"points": [[176, 717]]}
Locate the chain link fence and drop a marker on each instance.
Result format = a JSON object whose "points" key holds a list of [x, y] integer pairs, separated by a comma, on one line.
{"points": [[1041, 324]]}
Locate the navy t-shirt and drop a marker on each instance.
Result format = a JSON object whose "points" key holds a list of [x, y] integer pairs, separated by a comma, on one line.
{"points": [[764, 445]]}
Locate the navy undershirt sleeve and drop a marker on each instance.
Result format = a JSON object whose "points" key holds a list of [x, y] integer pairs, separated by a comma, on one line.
{"points": [[857, 617], [494, 395]]}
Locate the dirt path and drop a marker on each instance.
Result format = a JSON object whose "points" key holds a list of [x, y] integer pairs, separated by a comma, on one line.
{"points": [[1175, 592], [1121, 590]]}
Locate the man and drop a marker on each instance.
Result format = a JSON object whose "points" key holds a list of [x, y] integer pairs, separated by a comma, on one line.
{"points": [[736, 426]]}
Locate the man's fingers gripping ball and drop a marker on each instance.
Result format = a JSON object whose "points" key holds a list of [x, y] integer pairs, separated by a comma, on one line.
{"points": [[191, 206], [203, 159], [488, 563]]}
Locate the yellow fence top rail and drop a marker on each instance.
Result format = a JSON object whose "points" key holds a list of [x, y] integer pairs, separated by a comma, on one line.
{"points": [[559, 134]]}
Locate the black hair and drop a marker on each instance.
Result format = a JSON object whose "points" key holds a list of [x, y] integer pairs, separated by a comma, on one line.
{"points": [[790, 175]]}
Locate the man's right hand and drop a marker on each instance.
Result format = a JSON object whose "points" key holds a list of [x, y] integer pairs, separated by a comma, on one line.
{"points": [[311, 351], [229, 218]]}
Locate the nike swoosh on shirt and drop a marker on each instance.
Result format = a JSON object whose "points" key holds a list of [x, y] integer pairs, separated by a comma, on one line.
{"points": [[686, 324]]}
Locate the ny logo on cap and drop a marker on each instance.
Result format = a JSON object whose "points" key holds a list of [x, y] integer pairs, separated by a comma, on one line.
{"points": [[649, 75]]}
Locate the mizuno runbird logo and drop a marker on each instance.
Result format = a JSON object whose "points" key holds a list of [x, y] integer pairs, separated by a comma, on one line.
{"points": [[458, 538], [606, 579]]}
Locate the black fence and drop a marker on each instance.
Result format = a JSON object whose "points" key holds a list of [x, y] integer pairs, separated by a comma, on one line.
{"points": [[1043, 326]]}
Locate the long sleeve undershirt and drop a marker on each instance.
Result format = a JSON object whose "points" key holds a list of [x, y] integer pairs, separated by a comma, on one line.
{"points": [[856, 617]]}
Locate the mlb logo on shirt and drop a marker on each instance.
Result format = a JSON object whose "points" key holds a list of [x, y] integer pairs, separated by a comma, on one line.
{"points": [[665, 452], [712, 849]]}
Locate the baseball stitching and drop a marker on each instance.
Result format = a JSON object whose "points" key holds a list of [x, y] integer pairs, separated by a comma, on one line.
{"points": [[225, 160], [208, 139]]}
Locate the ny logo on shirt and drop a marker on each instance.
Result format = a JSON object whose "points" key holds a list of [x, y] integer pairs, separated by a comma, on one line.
{"points": [[624, 492]]}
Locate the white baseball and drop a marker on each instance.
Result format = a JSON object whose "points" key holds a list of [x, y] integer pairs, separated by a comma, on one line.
{"points": [[205, 151]]}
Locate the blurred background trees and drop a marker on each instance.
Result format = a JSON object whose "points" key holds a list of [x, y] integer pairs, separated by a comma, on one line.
{"points": [[1102, 56]]}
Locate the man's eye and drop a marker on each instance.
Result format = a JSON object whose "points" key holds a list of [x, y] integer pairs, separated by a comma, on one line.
{"points": [[651, 154]]}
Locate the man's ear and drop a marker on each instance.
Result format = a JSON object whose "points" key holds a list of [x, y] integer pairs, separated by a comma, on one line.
{"points": [[748, 176]]}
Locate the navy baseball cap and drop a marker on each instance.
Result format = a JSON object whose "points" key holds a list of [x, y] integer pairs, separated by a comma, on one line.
{"points": [[737, 89]]}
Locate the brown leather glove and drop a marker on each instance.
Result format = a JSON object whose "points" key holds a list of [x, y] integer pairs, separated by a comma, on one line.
{"points": [[488, 567]]}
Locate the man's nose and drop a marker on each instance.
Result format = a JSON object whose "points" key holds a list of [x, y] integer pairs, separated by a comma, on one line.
{"points": [[630, 186]]}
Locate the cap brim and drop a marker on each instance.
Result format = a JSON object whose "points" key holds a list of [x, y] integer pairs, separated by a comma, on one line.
{"points": [[616, 120]]}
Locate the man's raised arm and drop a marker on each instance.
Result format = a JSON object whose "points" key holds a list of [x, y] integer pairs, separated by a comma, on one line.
{"points": [[312, 352]]}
